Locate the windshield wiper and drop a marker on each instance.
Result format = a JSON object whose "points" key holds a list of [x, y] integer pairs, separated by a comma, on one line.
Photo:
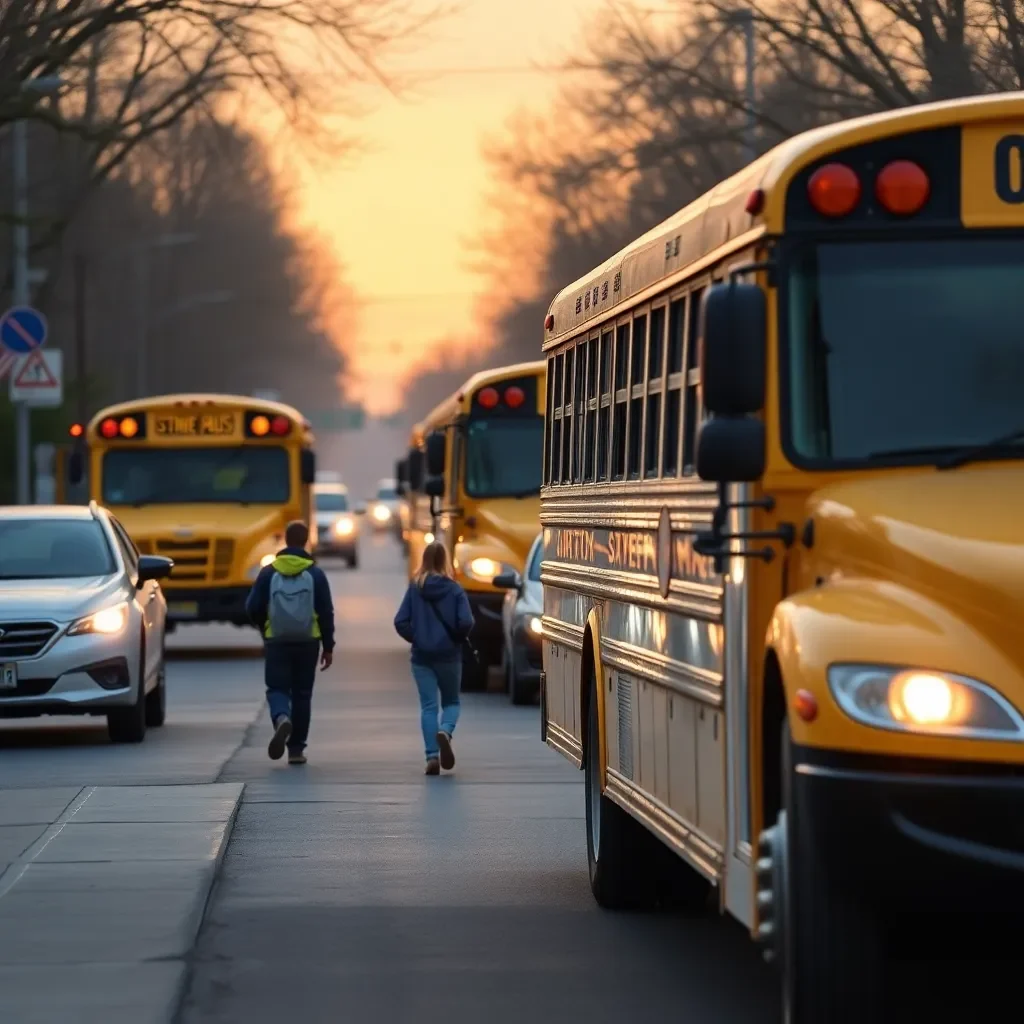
{"points": [[968, 454], [896, 453]]}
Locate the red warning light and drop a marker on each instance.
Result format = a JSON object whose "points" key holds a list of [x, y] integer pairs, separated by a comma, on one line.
{"points": [[902, 187], [488, 398], [108, 428], [514, 397], [834, 190], [549, 322], [280, 425]]}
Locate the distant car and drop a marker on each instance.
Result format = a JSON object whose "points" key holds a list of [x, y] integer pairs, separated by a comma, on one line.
{"points": [[81, 620], [336, 522], [386, 505], [521, 623]]}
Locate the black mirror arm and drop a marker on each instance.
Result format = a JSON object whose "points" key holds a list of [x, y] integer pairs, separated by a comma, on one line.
{"points": [[714, 543]]}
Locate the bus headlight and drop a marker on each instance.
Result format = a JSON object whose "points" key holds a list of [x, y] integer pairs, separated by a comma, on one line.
{"points": [[485, 569], [266, 560], [536, 626], [923, 701]]}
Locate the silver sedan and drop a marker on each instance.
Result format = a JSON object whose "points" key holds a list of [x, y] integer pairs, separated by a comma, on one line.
{"points": [[82, 620]]}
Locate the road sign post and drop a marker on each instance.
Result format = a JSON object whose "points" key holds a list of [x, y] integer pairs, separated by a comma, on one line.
{"points": [[22, 331]]}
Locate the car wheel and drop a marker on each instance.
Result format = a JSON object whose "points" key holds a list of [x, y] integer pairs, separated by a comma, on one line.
{"points": [[156, 699], [128, 725], [353, 560]]}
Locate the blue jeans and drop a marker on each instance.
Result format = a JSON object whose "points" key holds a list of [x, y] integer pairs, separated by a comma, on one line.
{"points": [[444, 677], [290, 674]]}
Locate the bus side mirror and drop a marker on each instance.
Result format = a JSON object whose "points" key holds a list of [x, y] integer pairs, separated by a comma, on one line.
{"points": [[733, 349], [76, 466], [434, 487], [435, 453], [307, 466], [415, 470], [731, 449]]}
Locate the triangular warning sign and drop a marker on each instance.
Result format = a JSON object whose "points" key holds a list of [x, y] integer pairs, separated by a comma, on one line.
{"points": [[34, 372]]}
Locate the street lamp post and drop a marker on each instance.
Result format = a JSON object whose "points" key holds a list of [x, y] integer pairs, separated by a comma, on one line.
{"points": [[21, 296]]}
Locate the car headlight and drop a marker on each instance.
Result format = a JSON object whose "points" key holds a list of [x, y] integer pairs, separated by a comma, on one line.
{"points": [[485, 569], [923, 701], [344, 527], [266, 560], [381, 513], [536, 626], [108, 621]]}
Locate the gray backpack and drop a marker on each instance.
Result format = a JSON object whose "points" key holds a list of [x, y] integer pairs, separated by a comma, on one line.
{"points": [[291, 608]]}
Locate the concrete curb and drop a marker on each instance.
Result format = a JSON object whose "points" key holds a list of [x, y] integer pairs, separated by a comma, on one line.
{"points": [[177, 1006]]}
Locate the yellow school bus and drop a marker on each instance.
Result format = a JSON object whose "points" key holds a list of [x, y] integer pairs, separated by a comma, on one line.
{"points": [[209, 480], [472, 479], [784, 553]]}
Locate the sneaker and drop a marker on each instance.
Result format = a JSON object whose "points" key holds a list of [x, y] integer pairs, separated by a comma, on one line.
{"points": [[444, 742], [296, 758], [433, 768], [282, 734]]}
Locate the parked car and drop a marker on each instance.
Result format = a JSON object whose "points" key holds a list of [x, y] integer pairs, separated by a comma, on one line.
{"points": [[386, 505], [521, 622], [81, 620], [337, 523]]}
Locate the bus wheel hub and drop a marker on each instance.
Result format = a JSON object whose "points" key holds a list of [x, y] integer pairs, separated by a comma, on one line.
{"points": [[772, 860]]}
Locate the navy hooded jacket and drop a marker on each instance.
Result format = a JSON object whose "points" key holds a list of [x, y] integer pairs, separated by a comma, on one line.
{"points": [[417, 623], [290, 562]]}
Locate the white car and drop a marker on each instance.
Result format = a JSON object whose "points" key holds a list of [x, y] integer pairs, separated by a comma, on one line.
{"points": [[337, 524], [521, 623], [385, 508], [82, 620]]}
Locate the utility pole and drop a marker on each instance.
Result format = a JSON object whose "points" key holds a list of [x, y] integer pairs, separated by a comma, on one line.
{"points": [[745, 17], [21, 297], [81, 368]]}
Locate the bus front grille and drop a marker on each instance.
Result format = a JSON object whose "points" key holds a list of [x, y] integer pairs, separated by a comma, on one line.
{"points": [[191, 559]]}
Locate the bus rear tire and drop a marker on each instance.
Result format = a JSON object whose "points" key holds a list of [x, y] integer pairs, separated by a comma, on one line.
{"points": [[827, 941], [620, 850]]}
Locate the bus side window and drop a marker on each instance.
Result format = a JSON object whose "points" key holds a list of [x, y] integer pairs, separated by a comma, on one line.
{"points": [[556, 421], [636, 391], [605, 404], [590, 434], [570, 358], [549, 420], [621, 398], [655, 390], [692, 382], [674, 384], [578, 407]]}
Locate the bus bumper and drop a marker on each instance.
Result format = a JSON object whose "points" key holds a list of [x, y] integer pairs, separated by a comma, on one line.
{"points": [[944, 837], [210, 604]]}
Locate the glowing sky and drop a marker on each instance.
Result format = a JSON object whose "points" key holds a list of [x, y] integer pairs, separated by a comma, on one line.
{"points": [[398, 215]]}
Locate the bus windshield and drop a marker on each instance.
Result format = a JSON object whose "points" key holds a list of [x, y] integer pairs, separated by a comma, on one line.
{"points": [[503, 457], [173, 476], [903, 348]]}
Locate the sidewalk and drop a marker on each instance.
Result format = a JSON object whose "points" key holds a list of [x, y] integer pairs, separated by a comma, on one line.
{"points": [[102, 893]]}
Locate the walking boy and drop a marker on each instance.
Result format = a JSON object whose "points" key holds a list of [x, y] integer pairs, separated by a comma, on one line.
{"points": [[290, 603]]}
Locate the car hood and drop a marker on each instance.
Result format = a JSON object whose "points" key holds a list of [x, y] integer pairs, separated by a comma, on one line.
{"points": [[531, 601], [60, 599], [957, 538]]}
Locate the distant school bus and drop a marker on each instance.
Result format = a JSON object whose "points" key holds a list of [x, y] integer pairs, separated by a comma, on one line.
{"points": [[472, 480], [784, 552], [209, 480]]}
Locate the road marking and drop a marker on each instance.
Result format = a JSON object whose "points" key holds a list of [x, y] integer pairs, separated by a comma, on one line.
{"points": [[15, 872]]}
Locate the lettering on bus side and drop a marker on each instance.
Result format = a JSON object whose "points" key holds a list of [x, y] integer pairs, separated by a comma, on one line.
{"points": [[626, 550], [194, 425]]}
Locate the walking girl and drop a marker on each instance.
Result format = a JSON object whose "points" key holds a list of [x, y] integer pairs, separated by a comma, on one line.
{"points": [[436, 619]]}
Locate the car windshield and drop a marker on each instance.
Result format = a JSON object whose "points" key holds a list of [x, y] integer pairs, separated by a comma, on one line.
{"points": [[503, 457], [331, 501], [45, 549], [386, 494], [897, 348], [172, 476], [533, 572]]}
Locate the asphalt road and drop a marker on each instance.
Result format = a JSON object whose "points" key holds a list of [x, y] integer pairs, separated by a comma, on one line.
{"points": [[356, 889]]}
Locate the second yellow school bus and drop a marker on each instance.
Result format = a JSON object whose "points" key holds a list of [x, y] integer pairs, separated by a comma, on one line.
{"points": [[485, 441], [208, 480], [784, 551]]}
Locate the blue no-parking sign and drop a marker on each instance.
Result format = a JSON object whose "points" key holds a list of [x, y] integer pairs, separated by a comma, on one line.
{"points": [[22, 329]]}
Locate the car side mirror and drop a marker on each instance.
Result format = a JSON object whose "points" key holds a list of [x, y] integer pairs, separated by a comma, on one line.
{"points": [[734, 324], [436, 443], [731, 449], [508, 581], [433, 487], [308, 466], [154, 567]]}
